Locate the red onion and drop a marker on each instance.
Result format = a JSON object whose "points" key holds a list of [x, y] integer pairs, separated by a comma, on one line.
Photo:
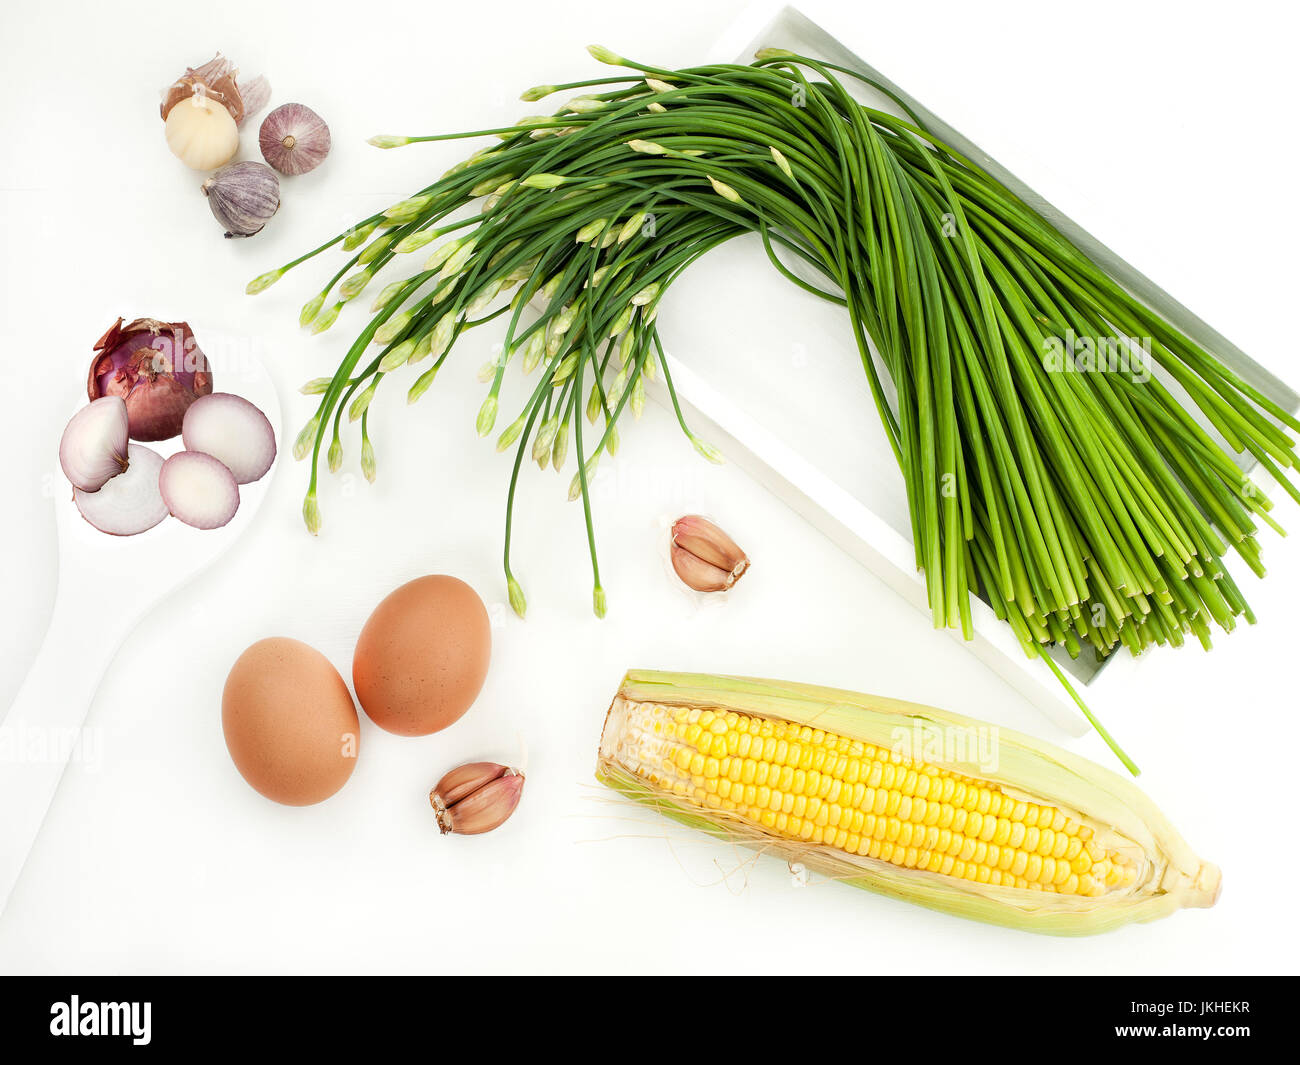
{"points": [[93, 449], [157, 368], [129, 503], [198, 490], [233, 431]]}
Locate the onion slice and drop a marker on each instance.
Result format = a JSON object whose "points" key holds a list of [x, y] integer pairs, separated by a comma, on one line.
{"points": [[129, 503], [233, 431], [93, 447], [198, 489]]}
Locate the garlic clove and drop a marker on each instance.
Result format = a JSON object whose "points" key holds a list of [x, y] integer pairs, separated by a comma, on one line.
{"points": [[294, 139], [699, 575], [201, 133], [243, 197], [476, 798], [705, 557]]}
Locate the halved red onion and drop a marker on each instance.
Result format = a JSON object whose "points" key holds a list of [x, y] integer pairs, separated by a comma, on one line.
{"points": [[198, 489], [233, 431], [129, 503], [93, 447]]}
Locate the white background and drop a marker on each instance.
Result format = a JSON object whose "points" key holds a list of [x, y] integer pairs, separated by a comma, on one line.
{"points": [[1168, 129]]}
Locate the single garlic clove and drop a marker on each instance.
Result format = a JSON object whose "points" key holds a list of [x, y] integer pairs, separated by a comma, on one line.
{"points": [[476, 798], [699, 575], [201, 133], [705, 557], [243, 197], [294, 139]]}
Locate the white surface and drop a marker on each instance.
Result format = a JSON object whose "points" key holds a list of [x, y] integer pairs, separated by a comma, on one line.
{"points": [[156, 856]]}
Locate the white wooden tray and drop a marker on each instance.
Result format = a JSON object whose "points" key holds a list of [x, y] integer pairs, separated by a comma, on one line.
{"points": [[778, 384]]}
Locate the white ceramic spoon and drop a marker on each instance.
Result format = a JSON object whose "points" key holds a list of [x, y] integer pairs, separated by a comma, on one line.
{"points": [[102, 594]]}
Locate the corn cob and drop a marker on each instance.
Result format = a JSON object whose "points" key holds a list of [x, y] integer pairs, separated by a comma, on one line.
{"points": [[906, 800]]}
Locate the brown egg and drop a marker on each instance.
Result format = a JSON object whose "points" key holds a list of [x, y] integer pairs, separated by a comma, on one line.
{"points": [[289, 721], [422, 656]]}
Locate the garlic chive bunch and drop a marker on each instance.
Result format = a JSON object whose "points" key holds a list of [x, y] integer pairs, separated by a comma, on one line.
{"points": [[1088, 509]]}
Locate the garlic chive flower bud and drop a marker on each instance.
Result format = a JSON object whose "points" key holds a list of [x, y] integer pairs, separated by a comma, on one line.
{"points": [[306, 439], [646, 294], [591, 230], [584, 105], [725, 191], [374, 249], [442, 334], [602, 54], [421, 386], [367, 458], [533, 351], [326, 318], [611, 441], [388, 141], [708, 451], [656, 108], [317, 386], [562, 372], [517, 601], [422, 348], [264, 281], [354, 285], [783, 163], [598, 603], [408, 210], [593, 404], [588, 471], [637, 402], [362, 402], [398, 357], [647, 147], [456, 262], [334, 457], [543, 181], [487, 415], [545, 435], [773, 53], [415, 241], [357, 237], [387, 295], [537, 92], [622, 321], [485, 296], [310, 309], [560, 447], [658, 86], [391, 329], [311, 513], [442, 253], [511, 433], [632, 227]]}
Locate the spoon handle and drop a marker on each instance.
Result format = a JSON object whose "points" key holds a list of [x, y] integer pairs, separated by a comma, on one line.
{"points": [[43, 729]]}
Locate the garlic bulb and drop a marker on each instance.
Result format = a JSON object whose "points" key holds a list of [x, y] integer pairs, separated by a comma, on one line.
{"points": [[243, 197], [294, 139], [201, 133]]}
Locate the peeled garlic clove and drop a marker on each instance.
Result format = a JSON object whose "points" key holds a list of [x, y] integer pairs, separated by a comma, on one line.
{"points": [[476, 798], [704, 556], [201, 133], [243, 197], [294, 139]]}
